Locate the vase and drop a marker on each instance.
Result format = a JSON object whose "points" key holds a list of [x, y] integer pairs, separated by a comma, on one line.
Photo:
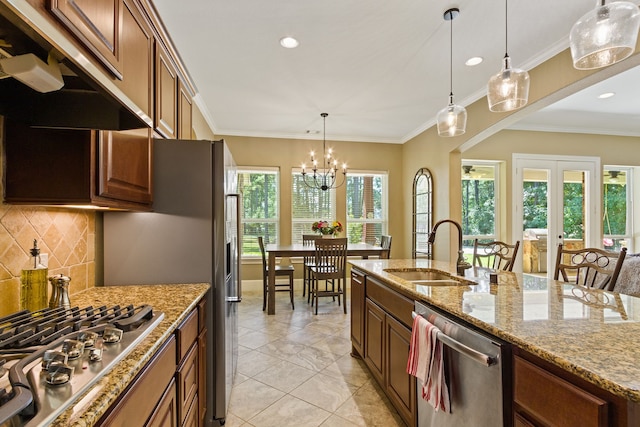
{"points": [[328, 236]]}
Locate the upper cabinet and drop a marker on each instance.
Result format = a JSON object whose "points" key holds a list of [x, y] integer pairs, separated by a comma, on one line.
{"points": [[78, 167], [97, 24], [166, 85], [185, 101], [137, 43]]}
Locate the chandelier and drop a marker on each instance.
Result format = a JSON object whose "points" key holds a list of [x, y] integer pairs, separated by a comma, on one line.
{"points": [[325, 176]]}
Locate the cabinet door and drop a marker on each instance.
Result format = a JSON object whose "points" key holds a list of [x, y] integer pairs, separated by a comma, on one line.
{"points": [[166, 84], [400, 386], [357, 311], [166, 414], [184, 112], [97, 25], [125, 166], [188, 383], [374, 339], [202, 375], [137, 43]]}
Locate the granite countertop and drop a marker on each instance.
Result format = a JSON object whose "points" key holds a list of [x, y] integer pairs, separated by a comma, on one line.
{"points": [[593, 334], [175, 301]]}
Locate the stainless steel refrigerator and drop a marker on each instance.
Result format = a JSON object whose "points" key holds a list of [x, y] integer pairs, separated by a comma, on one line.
{"points": [[192, 235]]}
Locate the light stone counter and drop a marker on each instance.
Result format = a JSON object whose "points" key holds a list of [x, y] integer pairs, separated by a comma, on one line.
{"points": [[591, 333], [175, 301]]}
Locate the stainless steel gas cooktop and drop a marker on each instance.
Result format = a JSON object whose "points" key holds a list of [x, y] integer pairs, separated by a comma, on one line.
{"points": [[49, 358]]}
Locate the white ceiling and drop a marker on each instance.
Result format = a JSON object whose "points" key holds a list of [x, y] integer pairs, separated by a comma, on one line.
{"points": [[380, 68]]}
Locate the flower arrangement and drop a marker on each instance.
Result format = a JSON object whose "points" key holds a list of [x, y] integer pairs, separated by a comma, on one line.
{"points": [[327, 228]]}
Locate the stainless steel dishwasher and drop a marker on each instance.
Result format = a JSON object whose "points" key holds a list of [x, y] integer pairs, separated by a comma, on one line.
{"points": [[476, 368]]}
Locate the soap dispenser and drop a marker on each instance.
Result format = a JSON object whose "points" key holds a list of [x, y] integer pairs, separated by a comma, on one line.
{"points": [[33, 282]]}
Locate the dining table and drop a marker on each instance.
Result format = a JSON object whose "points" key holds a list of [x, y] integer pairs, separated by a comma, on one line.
{"points": [[274, 250]]}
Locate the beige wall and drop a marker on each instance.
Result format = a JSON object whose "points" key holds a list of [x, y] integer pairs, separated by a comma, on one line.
{"points": [[288, 154]]}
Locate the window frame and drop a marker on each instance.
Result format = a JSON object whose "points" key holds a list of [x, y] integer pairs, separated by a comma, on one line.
{"points": [[496, 202], [297, 221], [384, 220], [415, 252], [275, 220], [628, 236]]}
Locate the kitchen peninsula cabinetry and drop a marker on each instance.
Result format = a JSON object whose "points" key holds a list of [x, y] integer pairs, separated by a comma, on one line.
{"points": [[539, 387], [165, 393], [386, 337], [62, 167]]}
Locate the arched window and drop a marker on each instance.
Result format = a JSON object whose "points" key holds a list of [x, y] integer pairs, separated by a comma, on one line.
{"points": [[422, 213]]}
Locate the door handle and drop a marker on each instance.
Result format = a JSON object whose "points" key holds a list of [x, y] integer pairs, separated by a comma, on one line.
{"points": [[475, 355]]}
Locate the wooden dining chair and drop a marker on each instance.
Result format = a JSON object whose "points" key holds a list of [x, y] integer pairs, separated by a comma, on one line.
{"points": [[281, 271], [308, 262], [385, 243], [330, 266], [590, 267], [495, 254]]}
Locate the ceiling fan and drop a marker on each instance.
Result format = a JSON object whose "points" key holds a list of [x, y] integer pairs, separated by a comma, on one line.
{"points": [[467, 169]]}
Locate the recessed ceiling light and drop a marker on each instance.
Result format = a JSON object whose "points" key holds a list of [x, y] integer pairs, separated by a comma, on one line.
{"points": [[289, 42], [474, 61], [606, 95]]}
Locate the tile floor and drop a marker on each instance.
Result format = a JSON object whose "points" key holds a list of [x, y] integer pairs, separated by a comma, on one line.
{"points": [[295, 369]]}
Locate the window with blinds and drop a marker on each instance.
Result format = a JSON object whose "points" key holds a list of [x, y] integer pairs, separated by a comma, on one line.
{"points": [[366, 206], [309, 205], [260, 207]]}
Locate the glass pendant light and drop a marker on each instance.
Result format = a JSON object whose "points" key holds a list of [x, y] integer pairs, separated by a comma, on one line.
{"points": [[509, 89], [605, 35], [451, 120]]}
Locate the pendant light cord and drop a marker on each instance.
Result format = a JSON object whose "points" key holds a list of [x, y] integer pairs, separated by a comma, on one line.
{"points": [[506, 29], [451, 58]]}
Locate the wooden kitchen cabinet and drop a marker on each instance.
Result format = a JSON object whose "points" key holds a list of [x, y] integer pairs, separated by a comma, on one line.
{"points": [[545, 395], [185, 111], [139, 402], [165, 393], [202, 361], [166, 92], [387, 337], [187, 374], [73, 167], [137, 53], [357, 312], [97, 24], [166, 413]]}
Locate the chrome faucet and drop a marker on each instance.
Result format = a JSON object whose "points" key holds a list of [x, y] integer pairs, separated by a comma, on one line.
{"points": [[461, 264]]}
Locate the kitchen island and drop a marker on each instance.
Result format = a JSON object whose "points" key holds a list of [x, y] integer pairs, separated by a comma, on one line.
{"points": [[582, 337], [177, 302]]}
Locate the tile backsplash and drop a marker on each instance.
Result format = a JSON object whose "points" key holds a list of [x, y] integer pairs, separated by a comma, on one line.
{"points": [[67, 236]]}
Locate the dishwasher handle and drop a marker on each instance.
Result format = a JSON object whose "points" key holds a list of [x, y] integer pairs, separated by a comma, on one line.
{"points": [[475, 355]]}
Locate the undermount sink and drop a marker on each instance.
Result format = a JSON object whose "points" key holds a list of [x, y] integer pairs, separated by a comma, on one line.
{"points": [[425, 276]]}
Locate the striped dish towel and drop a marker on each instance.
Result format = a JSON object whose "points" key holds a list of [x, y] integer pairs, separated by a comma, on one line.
{"points": [[426, 362]]}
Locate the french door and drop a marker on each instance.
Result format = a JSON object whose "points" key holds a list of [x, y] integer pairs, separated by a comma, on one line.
{"points": [[556, 200]]}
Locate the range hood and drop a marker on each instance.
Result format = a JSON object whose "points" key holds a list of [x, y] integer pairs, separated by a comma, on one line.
{"points": [[80, 104]]}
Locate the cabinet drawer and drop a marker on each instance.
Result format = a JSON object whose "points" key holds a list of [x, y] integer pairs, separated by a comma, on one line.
{"points": [[187, 333], [187, 383], [391, 301], [202, 314], [539, 393], [139, 402]]}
